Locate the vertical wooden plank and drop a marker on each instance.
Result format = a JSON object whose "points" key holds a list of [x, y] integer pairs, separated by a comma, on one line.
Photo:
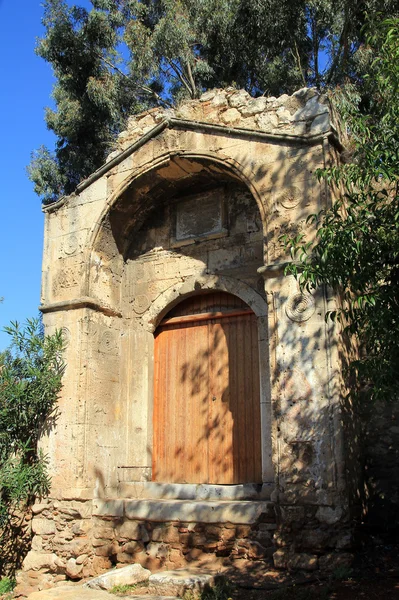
{"points": [[256, 401], [198, 352], [250, 400], [156, 417], [179, 401], [221, 418], [234, 357]]}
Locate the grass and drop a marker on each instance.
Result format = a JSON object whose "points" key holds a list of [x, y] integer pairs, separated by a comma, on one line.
{"points": [[123, 589]]}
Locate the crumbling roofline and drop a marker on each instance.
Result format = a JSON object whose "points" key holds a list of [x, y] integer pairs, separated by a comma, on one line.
{"points": [[175, 123]]}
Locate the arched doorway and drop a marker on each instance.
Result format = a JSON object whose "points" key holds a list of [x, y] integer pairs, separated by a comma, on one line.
{"points": [[207, 426]]}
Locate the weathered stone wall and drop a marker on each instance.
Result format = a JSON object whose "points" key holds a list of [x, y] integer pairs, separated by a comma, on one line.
{"points": [[127, 247], [80, 539]]}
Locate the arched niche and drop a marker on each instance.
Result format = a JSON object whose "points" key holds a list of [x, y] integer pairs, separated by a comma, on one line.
{"points": [[182, 227]]}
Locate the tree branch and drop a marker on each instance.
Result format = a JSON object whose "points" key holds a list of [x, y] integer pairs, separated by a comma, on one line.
{"points": [[298, 60], [180, 76], [145, 88], [191, 79]]}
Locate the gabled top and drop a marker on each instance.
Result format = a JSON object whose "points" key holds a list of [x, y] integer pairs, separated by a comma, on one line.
{"points": [[302, 118]]}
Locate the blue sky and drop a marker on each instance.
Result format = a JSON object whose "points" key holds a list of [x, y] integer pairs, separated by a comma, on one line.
{"points": [[26, 83]]}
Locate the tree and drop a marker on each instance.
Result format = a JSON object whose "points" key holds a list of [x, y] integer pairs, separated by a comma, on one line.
{"points": [[30, 380], [123, 56], [357, 246]]}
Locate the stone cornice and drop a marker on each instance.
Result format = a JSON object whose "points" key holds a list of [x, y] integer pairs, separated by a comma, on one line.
{"points": [[83, 302], [198, 126]]}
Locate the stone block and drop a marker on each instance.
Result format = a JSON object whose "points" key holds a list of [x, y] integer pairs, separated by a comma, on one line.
{"points": [[267, 121], [331, 562], [108, 508], [312, 109], [43, 526], [302, 562], [179, 581], [80, 560], [35, 561], [125, 576], [219, 100], [314, 539], [106, 533], [239, 98], [132, 547], [198, 512], [230, 116], [39, 508], [78, 546], [280, 559], [73, 570], [329, 515], [207, 96], [320, 124], [81, 527], [254, 107]]}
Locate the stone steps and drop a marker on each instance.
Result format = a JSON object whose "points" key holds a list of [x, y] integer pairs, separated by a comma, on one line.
{"points": [[186, 511], [151, 490]]}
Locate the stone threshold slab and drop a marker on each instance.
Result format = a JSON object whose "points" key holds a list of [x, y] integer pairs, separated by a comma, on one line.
{"points": [[190, 491], [237, 512], [178, 581]]}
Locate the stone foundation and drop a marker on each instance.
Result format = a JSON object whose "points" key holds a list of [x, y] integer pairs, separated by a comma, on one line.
{"points": [[76, 540], [80, 539]]}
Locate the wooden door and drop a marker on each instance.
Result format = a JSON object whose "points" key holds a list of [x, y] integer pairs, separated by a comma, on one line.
{"points": [[206, 393]]}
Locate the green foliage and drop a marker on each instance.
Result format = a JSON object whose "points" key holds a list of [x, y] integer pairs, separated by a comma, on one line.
{"points": [[357, 246], [6, 585], [30, 380], [123, 56]]}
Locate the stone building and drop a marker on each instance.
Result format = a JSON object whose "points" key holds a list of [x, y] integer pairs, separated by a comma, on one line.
{"points": [[201, 408]]}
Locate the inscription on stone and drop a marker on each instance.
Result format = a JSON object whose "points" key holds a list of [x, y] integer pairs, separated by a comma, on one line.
{"points": [[199, 216]]}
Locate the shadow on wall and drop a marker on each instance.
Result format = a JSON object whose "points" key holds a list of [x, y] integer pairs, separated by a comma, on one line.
{"points": [[309, 430], [207, 402], [15, 539]]}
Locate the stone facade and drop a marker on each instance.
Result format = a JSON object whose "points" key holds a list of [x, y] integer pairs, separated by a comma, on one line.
{"points": [[192, 200]]}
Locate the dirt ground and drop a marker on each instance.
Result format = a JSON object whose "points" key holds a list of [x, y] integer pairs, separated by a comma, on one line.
{"points": [[375, 575]]}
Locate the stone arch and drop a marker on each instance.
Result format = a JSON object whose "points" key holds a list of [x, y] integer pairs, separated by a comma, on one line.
{"points": [[111, 263], [194, 285], [228, 165]]}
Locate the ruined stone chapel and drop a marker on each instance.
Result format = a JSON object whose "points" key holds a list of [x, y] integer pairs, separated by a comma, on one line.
{"points": [[201, 411]]}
